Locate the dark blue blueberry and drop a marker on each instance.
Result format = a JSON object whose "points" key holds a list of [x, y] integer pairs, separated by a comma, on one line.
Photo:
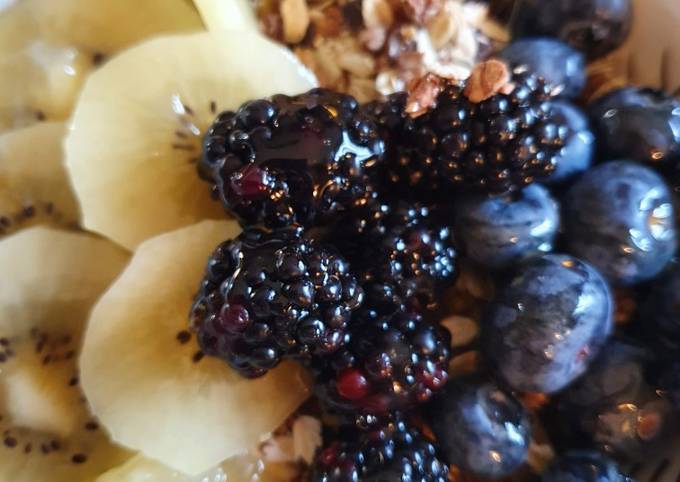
{"points": [[638, 124], [594, 27], [620, 217], [481, 428], [579, 147], [562, 67], [584, 466], [661, 310], [497, 232], [615, 406], [548, 324]]}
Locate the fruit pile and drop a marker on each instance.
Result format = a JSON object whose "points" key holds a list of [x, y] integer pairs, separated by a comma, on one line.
{"points": [[469, 280]]}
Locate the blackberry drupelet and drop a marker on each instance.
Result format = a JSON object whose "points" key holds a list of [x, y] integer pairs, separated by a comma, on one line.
{"points": [[287, 160], [404, 253], [391, 363], [500, 144], [269, 295], [406, 174], [394, 452]]}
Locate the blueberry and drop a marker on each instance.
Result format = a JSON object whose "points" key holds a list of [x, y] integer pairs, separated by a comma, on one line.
{"points": [[579, 147], [499, 231], [661, 310], [547, 324], [480, 427], [620, 217], [560, 65], [638, 124], [615, 405], [594, 27], [584, 466]]}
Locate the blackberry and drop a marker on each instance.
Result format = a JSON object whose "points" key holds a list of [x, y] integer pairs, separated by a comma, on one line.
{"points": [[500, 144], [406, 173], [391, 363], [287, 160], [394, 452], [268, 295], [404, 253]]}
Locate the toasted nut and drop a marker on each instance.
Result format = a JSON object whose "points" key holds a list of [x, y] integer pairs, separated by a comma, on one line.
{"points": [[486, 80], [373, 38], [295, 15], [444, 27], [421, 11], [377, 13], [423, 94], [328, 22]]}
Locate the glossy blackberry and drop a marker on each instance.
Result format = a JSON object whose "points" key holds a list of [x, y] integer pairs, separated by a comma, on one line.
{"points": [[395, 452], [391, 363], [269, 295], [407, 174], [286, 160], [500, 144], [404, 253]]}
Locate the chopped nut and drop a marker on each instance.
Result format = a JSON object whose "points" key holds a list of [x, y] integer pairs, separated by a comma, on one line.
{"points": [[295, 16], [421, 11], [423, 94], [463, 330], [279, 448], [358, 63], [306, 437], [328, 22], [363, 89], [486, 80], [463, 364], [377, 13], [444, 27], [272, 25], [373, 38]]}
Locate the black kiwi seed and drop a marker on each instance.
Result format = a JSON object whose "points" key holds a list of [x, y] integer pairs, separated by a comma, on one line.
{"points": [[73, 382], [10, 442], [91, 426], [198, 356], [29, 211], [79, 458], [183, 337]]}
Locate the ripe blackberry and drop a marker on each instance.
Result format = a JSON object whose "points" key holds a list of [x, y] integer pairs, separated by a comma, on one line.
{"points": [[286, 160], [394, 452], [404, 253], [500, 144], [391, 363], [406, 172], [268, 295]]}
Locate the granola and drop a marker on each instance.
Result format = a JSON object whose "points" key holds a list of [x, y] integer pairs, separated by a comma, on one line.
{"points": [[371, 48]]}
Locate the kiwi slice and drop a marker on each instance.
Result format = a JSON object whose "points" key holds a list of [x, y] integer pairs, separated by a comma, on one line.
{"points": [[48, 47], [49, 282], [137, 129], [244, 468], [146, 379], [34, 185]]}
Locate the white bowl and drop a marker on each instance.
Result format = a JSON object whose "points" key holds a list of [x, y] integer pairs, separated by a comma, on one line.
{"points": [[651, 57]]}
